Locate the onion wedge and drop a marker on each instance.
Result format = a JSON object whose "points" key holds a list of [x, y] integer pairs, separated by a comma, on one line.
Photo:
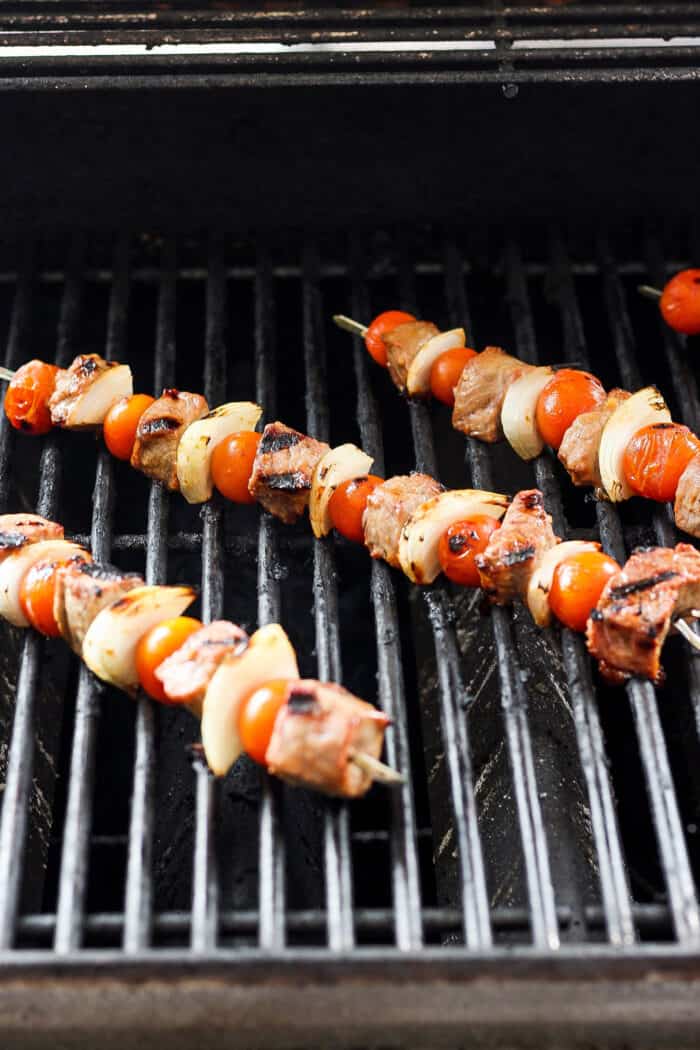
{"points": [[269, 655], [109, 646], [338, 465], [541, 580], [14, 568], [420, 536], [199, 440], [518, 412], [90, 408], [418, 378], [644, 408]]}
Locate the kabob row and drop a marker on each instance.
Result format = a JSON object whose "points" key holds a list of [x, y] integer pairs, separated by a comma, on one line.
{"points": [[476, 538], [622, 444], [246, 690]]}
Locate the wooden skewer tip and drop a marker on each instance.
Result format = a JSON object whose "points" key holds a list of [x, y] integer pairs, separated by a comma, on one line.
{"points": [[348, 325], [649, 291], [687, 631], [376, 769], [7, 374]]}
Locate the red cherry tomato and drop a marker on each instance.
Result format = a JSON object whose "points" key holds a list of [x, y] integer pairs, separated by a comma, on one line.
{"points": [[232, 464], [460, 544], [577, 585], [656, 457], [381, 326], [680, 302], [347, 505], [567, 394], [446, 371], [36, 595], [157, 645], [256, 718], [27, 397], [121, 422]]}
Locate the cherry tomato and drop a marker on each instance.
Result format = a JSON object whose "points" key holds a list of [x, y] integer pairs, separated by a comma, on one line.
{"points": [[577, 585], [461, 543], [232, 465], [157, 645], [381, 326], [36, 595], [27, 397], [680, 302], [446, 371], [347, 505], [256, 718], [656, 457], [121, 421], [567, 394]]}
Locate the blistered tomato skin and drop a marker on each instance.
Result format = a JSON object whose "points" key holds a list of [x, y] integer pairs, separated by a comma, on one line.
{"points": [[656, 457], [680, 302], [347, 506], [232, 465], [446, 372], [460, 544], [257, 716], [381, 326], [27, 397], [121, 423], [577, 585]]}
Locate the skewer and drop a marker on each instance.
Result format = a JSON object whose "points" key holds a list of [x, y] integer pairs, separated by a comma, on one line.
{"points": [[6, 374], [684, 628], [649, 291], [348, 325], [376, 769]]}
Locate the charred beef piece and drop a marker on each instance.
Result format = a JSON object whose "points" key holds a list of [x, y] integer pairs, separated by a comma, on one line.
{"points": [[84, 589], [627, 629], [282, 471], [579, 448], [402, 345], [159, 431], [18, 530], [316, 732], [481, 391], [388, 509], [514, 550], [186, 674], [687, 505], [73, 384]]}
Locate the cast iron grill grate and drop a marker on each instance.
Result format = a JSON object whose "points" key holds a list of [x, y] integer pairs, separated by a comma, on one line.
{"points": [[542, 811]]}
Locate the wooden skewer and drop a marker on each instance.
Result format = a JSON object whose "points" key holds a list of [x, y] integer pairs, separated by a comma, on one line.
{"points": [[649, 291], [376, 769], [347, 323], [687, 631], [6, 373]]}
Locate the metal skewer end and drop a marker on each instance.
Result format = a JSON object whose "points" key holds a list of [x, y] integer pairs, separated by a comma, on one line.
{"points": [[6, 373], [347, 323], [649, 291], [376, 769], [687, 631]]}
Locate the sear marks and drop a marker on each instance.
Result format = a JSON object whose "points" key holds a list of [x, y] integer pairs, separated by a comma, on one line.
{"points": [[282, 471], [159, 431], [579, 448], [481, 391], [82, 590], [186, 674], [389, 507], [402, 345], [19, 530], [515, 550]]}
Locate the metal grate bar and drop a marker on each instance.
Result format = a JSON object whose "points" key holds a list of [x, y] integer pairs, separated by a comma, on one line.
{"points": [[667, 822], [611, 864], [390, 682], [336, 824], [271, 892], [20, 763], [17, 340], [138, 898], [205, 886], [76, 833]]}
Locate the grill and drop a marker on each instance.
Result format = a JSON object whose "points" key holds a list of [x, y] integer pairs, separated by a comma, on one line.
{"points": [[534, 883]]}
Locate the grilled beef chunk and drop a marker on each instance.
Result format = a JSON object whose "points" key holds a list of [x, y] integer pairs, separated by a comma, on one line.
{"points": [[282, 471], [579, 448], [514, 550], [402, 345], [316, 732], [186, 674], [75, 383], [627, 629], [481, 391], [687, 505], [18, 530], [159, 431], [84, 589], [388, 509]]}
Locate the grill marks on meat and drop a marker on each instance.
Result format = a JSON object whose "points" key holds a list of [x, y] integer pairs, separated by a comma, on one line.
{"points": [[579, 448], [627, 629], [388, 509], [73, 383], [82, 590], [402, 345], [282, 470], [515, 550], [481, 391], [186, 674], [19, 530], [315, 734], [686, 508], [159, 431]]}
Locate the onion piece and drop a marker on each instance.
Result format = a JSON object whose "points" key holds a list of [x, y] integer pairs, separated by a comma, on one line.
{"points": [[541, 580], [89, 409], [518, 417], [269, 655], [109, 646], [418, 377], [14, 568], [642, 409], [338, 465], [199, 440], [420, 536]]}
